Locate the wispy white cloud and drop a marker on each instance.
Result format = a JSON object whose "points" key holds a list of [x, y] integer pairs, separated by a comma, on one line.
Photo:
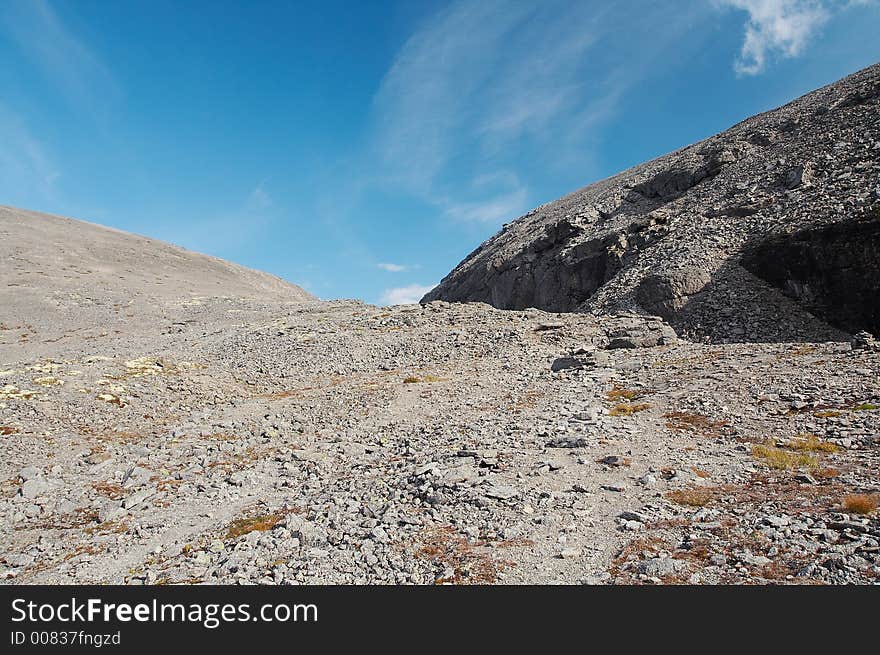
{"points": [[28, 171], [492, 210], [490, 198], [407, 295], [782, 28], [44, 37], [485, 82], [260, 198], [426, 98], [392, 268]]}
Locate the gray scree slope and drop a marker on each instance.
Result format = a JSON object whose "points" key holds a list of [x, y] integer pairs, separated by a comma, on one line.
{"points": [[166, 417], [59, 273], [769, 231]]}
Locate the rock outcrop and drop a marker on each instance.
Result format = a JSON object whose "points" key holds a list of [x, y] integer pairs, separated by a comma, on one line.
{"points": [[765, 232], [169, 418]]}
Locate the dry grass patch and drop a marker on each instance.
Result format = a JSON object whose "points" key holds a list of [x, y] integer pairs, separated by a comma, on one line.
{"points": [[861, 503], [811, 443], [783, 460], [110, 490], [6, 430], [469, 562], [257, 523], [618, 394], [827, 413], [626, 409], [412, 379], [827, 473], [690, 422], [695, 497]]}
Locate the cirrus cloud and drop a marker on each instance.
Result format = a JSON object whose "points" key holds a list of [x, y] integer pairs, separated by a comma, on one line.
{"points": [[487, 84], [782, 28], [392, 268]]}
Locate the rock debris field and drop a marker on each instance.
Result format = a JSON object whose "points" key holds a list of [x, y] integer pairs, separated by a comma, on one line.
{"points": [[336, 442], [169, 418]]}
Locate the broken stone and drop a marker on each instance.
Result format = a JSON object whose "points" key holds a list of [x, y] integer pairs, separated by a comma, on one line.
{"points": [[138, 498], [567, 442], [501, 492], [34, 488]]}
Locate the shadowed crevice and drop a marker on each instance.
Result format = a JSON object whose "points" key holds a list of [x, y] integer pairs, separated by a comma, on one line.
{"points": [[833, 271]]}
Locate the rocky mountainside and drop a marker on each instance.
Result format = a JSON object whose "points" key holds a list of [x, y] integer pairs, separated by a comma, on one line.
{"points": [[167, 417], [769, 231]]}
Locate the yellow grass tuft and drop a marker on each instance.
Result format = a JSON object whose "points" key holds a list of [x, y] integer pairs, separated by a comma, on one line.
{"points": [[617, 394], [811, 443], [626, 409], [260, 523], [412, 379], [777, 458]]}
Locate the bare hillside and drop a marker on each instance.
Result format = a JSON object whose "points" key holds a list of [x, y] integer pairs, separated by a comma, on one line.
{"points": [[169, 418], [61, 275], [768, 231]]}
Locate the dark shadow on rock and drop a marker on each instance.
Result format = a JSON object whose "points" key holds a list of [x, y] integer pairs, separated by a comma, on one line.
{"points": [[833, 271], [735, 306], [815, 285]]}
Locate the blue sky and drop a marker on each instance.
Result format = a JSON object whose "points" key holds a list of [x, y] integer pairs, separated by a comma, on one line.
{"points": [[362, 149]]}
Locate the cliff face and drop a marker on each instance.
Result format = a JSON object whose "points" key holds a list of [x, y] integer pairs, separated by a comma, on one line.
{"points": [[701, 236]]}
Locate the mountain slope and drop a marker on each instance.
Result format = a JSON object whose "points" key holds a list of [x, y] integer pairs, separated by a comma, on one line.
{"points": [[58, 271], [702, 236]]}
